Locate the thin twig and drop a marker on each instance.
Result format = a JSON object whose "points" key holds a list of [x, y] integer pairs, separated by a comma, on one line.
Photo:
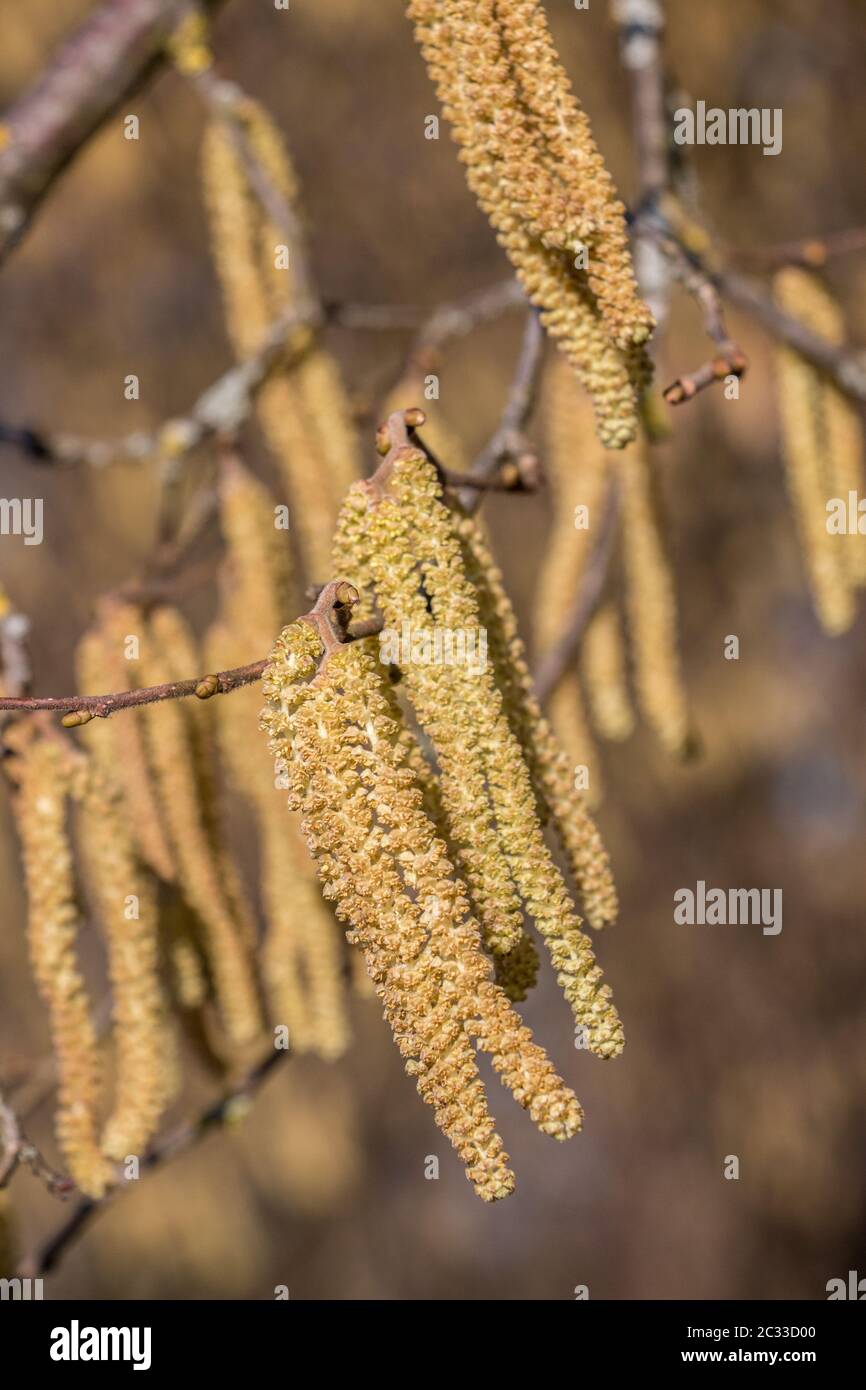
{"points": [[509, 441], [812, 251], [185, 1136], [558, 659], [107, 58]]}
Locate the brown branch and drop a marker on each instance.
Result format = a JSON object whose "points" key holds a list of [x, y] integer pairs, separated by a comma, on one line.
{"points": [[557, 661], [509, 442], [89, 707], [16, 1148], [845, 366], [104, 61], [185, 1136], [808, 251]]}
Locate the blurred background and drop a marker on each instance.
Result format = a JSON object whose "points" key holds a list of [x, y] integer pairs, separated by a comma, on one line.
{"points": [[738, 1043]]}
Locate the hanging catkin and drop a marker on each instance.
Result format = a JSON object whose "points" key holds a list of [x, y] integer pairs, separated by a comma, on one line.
{"points": [[822, 449], [117, 746], [417, 561], [389, 876], [304, 411], [549, 766], [45, 776], [536, 172], [577, 467], [604, 668], [146, 1065], [439, 704], [186, 797], [302, 954], [650, 605]]}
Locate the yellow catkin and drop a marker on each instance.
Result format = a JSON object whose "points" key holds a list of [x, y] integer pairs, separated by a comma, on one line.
{"points": [[201, 872], [304, 411], [551, 769], [187, 971], [302, 955], [117, 746], [414, 538], [537, 174], [650, 605], [45, 779], [577, 467], [169, 634], [146, 1065], [604, 668], [391, 881], [822, 449], [442, 709]]}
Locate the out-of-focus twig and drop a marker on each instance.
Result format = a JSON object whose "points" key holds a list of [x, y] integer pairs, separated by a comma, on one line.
{"points": [[102, 63], [509, 442], [227, 1109], [811, 251], [558, 659]]}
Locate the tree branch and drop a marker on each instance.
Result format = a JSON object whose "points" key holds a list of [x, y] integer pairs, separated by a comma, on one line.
{"points": [[99, 66]]}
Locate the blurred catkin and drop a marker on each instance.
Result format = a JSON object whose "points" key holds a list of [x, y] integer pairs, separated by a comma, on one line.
{"points": [[388, 873], [187, 798], [533, 165], [650, 604], [822, 449], [302, 407], [146, 1065], [603, 662], [577, 468], [46, 776], [117, 746]]}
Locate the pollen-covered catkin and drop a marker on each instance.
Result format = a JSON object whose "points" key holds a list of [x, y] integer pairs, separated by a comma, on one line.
{"points": [[822, 449], [390, 878], [45, 777], [145, 1046], [650, 605], [537, 174], [445, 711], [302, 953], [459, 705], [550, 768]]}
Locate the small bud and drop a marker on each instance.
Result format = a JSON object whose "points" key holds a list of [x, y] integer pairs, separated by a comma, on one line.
{"points": [[75, 717], [414, 417], [206, 687]]}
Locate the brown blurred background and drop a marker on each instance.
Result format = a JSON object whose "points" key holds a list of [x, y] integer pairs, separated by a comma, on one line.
{"points": [[738, 1043]]}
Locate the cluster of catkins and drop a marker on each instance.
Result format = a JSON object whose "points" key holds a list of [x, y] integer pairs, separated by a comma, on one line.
{"points": [[424, 791], [182, 943], [631, 634], [822, 448], [537, 173]]}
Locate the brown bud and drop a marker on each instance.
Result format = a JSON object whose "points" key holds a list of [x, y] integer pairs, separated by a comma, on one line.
{"points": [[206, 687], [414, 417]]}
